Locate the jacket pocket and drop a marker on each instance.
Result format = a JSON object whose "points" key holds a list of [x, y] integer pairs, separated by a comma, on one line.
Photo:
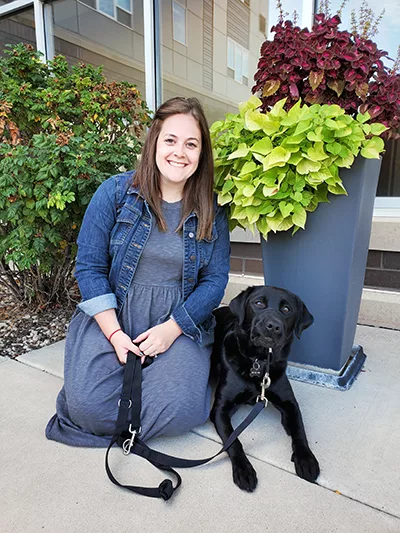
{"points": [[126, 219]]}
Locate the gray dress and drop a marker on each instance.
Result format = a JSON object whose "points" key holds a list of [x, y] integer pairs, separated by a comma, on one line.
{"points": [[175, 389]]}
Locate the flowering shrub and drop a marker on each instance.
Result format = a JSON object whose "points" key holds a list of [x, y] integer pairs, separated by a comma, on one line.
{"points": [[62, 132], [328, 66]]}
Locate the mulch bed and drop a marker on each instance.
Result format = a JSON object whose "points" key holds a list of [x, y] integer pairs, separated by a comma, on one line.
{"points": [[22, 330]]}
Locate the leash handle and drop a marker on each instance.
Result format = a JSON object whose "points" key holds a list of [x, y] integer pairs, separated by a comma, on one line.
{"points": [[128, 427]]}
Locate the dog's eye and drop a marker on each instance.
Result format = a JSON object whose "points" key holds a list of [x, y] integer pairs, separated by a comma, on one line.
{"points": [[260, 304], [285, 309]]}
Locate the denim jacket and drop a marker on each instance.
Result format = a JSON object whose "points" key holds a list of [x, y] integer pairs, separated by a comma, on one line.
{"points": [[115, 229]]}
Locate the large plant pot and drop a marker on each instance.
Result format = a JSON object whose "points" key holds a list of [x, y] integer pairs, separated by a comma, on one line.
{"points": [[325, 266]]}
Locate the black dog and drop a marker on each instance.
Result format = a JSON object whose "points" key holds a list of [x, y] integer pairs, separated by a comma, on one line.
{"points": [[252, 338]]}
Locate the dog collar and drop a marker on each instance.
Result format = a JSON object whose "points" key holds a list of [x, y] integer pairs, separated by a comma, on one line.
{"points": [[257, 371], [260, 368]]}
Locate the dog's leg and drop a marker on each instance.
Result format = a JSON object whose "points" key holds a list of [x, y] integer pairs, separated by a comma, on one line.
{"points": [[282, 397], [244, 475]]}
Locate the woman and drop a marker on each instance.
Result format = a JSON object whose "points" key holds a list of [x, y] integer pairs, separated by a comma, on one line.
{"points": [[152, 264]]}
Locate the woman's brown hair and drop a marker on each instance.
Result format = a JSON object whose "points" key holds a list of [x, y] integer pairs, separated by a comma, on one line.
{"points": [[198, 189]]}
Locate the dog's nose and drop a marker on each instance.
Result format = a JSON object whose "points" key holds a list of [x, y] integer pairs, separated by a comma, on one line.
{"points": [[273, 326]]}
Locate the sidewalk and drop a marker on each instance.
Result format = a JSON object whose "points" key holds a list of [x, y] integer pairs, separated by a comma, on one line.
{"points": [[46, 486]]}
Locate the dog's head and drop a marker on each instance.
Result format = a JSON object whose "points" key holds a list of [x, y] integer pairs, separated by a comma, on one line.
{"points": [[270, 316]]}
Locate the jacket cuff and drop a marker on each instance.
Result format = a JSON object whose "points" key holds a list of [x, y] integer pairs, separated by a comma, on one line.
{"points": [[98, 304], [188, 327]]}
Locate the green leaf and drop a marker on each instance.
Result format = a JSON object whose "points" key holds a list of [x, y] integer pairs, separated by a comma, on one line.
{"points": [[270, 191], [274, 222], [242, 151], [378, 129], [314, 136], [248, 191], [345, 162], [277, 110], [285, 208], [295, 158], [252, 103], [263, 146], [224, 199], [299, 216], [298, 196], [306, 165], [293, 115], [228, 185], [366, 129], [302, 126], [217, 126], [345, 132], [316, 153], [332, 124], [361, 118], [294, 139], [337, 189], [248, 168], [299, 184], [278, 157], [262, 226], [372, 148], [286, 224], [252, 214], [333, 148]]}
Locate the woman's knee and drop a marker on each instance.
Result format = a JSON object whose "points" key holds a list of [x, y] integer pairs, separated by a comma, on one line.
{"points": [[176, 414], [92, 410]]}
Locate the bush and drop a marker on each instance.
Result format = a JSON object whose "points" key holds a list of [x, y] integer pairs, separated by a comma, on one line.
{"points": [[63, 131]]}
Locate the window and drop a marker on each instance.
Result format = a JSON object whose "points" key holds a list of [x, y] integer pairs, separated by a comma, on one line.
{"points": [[262, 24], [238, 61], [179, 22], [120, 10]]}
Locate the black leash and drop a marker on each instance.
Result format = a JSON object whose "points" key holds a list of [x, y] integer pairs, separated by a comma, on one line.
{"points": [[127, 431]]}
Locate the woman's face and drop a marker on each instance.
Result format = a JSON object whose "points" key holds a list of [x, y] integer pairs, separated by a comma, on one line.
{"points": [[178, 151]]}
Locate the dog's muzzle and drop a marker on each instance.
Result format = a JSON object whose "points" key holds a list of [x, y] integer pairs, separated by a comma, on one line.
{"points": [[267, 332]]}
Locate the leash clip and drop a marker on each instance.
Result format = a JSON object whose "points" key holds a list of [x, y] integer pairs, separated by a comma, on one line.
{"points": [[265, 383], [128, 443]]}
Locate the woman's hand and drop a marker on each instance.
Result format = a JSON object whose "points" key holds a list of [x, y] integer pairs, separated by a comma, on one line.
{"points": [[158, 339], [122, 345]]}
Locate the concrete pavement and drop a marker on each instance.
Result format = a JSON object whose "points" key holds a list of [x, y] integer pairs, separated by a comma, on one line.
{"points": [[46, 486]]}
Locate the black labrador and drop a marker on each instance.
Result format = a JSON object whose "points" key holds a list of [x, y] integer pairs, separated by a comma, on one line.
{"points": [[252, 339]]}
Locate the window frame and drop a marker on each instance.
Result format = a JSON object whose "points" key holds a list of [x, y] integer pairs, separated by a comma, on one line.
{"points": [[238, 49]]}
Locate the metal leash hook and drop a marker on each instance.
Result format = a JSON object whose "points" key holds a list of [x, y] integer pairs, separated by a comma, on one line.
{"points": [[128, 443], [265, 383]]}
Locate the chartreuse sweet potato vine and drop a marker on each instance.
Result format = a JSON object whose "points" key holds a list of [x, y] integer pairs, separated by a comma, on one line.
{"points": [[272, 168]]}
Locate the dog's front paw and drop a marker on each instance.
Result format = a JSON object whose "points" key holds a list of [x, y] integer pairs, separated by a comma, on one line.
{"points": [[244, 474], [306, 464]]}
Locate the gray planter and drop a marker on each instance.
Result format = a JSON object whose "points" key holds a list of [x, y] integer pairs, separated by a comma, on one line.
{"points": [[325, 266]]}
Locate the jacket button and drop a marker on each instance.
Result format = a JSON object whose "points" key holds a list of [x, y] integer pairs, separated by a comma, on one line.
{"points": [[191, 235], [190, 280], [192, 257]]}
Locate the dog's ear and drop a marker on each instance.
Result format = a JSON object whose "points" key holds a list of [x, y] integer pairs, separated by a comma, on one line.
{"points": [[304, 319], [238, 304]]}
